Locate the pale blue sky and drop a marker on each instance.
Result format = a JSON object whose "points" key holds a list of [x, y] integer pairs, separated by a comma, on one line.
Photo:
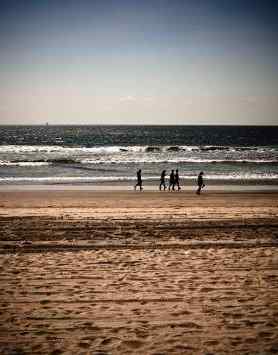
{"points": [[149, 62]]}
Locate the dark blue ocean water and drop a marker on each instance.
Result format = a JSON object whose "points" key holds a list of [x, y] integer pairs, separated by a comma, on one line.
{"points": [[89, 154]]}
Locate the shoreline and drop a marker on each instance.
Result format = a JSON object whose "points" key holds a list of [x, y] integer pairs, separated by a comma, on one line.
{"points": [[124, 187]]}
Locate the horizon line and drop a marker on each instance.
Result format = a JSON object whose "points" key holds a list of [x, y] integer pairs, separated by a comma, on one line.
{"points": [[47, 124]]}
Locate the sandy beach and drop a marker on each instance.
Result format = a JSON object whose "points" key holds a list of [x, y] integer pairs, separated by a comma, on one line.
{"points": [[124, 272]]}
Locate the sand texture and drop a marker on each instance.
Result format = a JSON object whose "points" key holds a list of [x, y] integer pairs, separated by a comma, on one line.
{"points": [[138, 273]]}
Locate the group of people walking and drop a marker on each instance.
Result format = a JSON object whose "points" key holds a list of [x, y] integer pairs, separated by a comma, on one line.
{"points": [[174, 181]]}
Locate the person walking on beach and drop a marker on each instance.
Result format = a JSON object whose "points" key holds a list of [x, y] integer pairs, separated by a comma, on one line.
{"points": [[200, 183], [139, 180], [172, 181], [177, 180], [162, 180]]}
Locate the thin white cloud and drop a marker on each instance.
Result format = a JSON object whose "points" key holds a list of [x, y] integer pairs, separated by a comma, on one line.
{"points": [[127, 98], [130, 98], [251, 99]]}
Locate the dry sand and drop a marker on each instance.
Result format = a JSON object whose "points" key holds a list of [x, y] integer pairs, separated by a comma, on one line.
{"points": [[85, 272]]}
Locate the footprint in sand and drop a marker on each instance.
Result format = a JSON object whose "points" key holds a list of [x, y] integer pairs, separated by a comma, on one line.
{"points": [[84, 344], [133, 343], [57, 352], [212, 342]]}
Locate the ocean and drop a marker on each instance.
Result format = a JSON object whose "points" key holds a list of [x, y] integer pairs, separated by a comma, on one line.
{"points": [[112, 154]]}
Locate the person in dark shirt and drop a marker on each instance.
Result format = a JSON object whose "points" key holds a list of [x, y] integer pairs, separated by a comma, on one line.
{"points": [[177, 179], [162, 180], [200, 183], [172, 181], [139, 180]]}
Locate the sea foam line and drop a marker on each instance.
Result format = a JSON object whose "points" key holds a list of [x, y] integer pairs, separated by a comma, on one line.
{"points": [[68, 179], [124, 149]]}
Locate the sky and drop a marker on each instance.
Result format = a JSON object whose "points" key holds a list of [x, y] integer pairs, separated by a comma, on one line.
{"points": [[139, 62]]}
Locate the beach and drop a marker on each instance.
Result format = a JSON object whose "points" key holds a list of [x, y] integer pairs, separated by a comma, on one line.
{"points": [[139, 177], [91, 271]]}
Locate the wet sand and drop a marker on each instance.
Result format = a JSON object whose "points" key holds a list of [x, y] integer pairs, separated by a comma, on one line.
{"points": [[125, 272]]}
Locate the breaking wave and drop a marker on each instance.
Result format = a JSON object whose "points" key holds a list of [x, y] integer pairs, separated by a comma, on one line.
{"points": [[17, 149], [24, 163], [145, 160]]}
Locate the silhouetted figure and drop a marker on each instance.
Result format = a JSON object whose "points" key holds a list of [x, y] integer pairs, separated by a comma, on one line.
{"points": [[200, 183], [177, 179], [162, 180], [172, 181], [139, 180]]}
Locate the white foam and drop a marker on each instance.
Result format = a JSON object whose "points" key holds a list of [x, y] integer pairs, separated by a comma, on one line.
{"points": [[143, 160], [120, 149], [151, 159], [74, 179], [23, 163], [67, 150]]}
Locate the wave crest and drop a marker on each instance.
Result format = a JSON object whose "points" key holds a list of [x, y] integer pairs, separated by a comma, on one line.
{"points": [[18, 149], [144, 160]]}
